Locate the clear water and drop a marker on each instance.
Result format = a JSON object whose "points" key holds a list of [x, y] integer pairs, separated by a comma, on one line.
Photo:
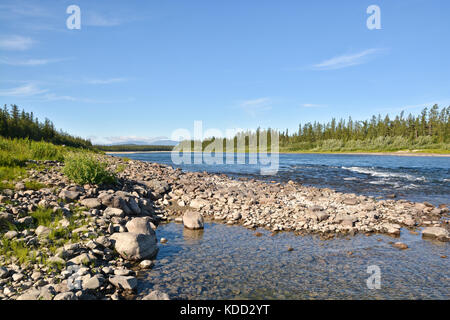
{"points": [[230, 262], [412, 178]]}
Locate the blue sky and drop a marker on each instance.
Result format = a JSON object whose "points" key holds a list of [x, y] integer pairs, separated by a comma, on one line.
{"points": [[141, 69]]}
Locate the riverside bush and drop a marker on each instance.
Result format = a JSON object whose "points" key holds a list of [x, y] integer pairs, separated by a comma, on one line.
{"points": [[87, 169]]}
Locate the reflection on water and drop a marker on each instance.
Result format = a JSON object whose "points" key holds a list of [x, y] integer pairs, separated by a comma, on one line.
{"points": [[230, 262], [192, 236]]}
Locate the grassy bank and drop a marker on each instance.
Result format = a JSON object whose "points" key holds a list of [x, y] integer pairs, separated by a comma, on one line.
{"points": [[18, 155]]}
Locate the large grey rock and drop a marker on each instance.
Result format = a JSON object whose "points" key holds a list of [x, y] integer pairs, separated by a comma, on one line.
{"points": [[436, 232], [93, 283], [67, 195], [84, 258], [133, 205], [19, 186], [321, 216], [351, 201], [65, 296], [56, 260], [140, 225], [91, 203], [199, 203], [124, 282], [32, 294], [115, 212], [193, 220], [10, 235], [349, 221], [47, 292], [393, 229], [156, 295], [42, 231], [135, 247]]}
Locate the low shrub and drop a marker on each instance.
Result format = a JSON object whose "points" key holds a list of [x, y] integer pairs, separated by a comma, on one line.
{"points": [[87, 169]]}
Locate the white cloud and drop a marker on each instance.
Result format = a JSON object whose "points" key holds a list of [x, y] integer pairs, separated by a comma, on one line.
{"points": [[96, 20], [23, 9], [25, 90], [106, 81], [349, 60], [28, 62], [18, 43], [255, 105]]}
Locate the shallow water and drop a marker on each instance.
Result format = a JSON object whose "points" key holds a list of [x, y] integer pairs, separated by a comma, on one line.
{"points": [[230, 262], [412, 178]]}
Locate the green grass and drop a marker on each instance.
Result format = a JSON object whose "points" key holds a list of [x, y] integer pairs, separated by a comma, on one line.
{"points": [[34, 185], [87, 169], [58, 237], [45, 217], [15, 152], [12, 248]]}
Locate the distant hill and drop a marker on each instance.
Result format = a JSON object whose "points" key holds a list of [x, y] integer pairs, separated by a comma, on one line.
{"points": [[134, 147], [162, 142]]}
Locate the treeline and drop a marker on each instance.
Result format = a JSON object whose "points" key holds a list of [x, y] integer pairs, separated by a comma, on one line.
{"points": [[24, 125], [133, 148], [433, 123], [430, 130]]}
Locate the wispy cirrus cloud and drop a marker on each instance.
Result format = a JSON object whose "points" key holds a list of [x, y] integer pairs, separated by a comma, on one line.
{"points": [[312, 105], [256, 105], [16, 8], [28, 62], [96, 20], [16, 43], [106, 81], [348, 60], [25, 90]]}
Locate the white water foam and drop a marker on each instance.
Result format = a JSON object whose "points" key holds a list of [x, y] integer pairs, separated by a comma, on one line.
{"points": [[381, 174]]}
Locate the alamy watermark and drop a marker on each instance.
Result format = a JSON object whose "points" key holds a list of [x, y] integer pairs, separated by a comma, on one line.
{"points": [[74, 20], [374, 281], [260, 148], [374, 20]]}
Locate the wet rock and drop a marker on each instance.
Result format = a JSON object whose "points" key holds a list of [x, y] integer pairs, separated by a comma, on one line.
{"points": [[400, 245], [436, 232], [193, 220], [146, 264]]}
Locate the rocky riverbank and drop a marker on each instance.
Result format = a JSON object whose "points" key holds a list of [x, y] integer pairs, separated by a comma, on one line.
{"points": [[101, 237]]}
